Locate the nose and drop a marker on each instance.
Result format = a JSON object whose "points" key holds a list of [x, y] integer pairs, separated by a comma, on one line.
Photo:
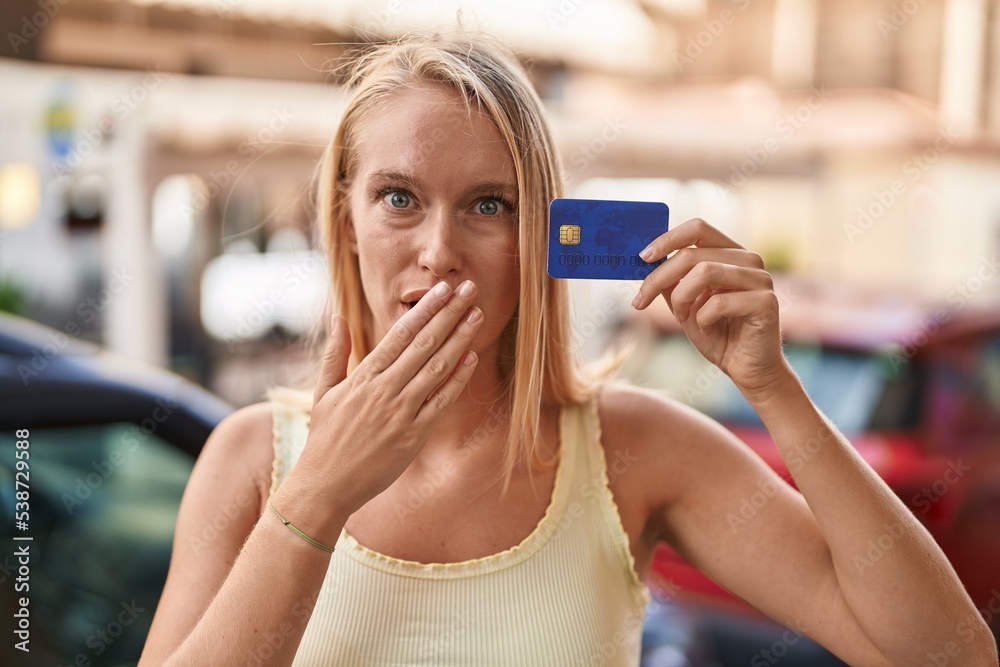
{"points": [[439, 252]]}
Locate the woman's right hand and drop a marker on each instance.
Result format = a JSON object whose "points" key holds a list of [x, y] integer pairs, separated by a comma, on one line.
{"points": [[367, 428], [364, 431]]}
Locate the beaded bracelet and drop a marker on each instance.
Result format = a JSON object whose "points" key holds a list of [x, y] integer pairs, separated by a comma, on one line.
{"points": [[315, 543]]}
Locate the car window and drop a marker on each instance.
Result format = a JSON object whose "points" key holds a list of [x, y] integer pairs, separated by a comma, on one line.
{"points": [[847, 386], [963, 392], [103, 503]]}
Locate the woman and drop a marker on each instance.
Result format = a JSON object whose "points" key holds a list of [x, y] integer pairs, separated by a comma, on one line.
{"points": [[448, 371]]}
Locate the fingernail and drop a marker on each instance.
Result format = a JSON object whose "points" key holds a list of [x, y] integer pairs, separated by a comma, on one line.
{"points": [[474, 316], [637, 299], [441, 289], [647, 254], [465, 289], [470, 359]]}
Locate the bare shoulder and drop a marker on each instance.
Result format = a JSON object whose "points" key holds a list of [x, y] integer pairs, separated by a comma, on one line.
{"points": [[251, 423], [634, 411], [248, 419], [670, 443], [644, 418], [241, 447]]}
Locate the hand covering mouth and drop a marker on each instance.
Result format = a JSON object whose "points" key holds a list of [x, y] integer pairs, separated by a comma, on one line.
{"points": [[412, 298]]}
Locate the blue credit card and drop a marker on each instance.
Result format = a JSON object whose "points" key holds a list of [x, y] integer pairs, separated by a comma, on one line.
{"points": [[595, 239]]}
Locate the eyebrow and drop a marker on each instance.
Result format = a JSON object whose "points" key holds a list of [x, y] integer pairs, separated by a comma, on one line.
{"points": [[485, 187], [492, 186], [390, 175]]}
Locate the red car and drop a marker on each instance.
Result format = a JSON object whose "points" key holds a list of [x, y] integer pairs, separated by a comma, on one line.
{"points": [[915, 386]]}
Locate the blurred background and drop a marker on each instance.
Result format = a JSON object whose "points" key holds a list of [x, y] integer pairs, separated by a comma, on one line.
{"points": [[156, 175]]}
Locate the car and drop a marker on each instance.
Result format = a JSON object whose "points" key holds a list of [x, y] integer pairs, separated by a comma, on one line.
{"points": [[100, 448], [915, 386]]}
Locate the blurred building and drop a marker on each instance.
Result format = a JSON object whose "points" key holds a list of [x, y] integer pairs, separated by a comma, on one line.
{"points": [[156, 157]]}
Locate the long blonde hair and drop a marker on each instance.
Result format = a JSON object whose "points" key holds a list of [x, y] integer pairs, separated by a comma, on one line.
{"points": [[538, 361]]}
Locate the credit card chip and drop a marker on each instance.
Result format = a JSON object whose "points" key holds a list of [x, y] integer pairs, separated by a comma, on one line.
{"points": [[569, 234]]}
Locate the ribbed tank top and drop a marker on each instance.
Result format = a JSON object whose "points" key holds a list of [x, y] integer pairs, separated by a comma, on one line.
{"points": [[568, 594]]}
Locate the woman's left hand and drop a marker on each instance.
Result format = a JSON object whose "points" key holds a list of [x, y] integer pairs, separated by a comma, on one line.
{"points": [[724, 300]]}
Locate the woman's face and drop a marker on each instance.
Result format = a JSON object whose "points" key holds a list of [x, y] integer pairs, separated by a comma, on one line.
{"points": [[433, 197]]}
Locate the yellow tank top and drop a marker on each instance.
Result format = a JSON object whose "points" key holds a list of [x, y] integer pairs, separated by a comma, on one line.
{"points": [[568, 594]]}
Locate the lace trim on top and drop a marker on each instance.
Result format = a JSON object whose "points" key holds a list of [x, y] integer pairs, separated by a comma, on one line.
{"points": [[640, 590]]}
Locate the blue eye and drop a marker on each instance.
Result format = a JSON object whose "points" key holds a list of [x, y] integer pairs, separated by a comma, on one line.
{"points": [[397, 199], [489, 207]]}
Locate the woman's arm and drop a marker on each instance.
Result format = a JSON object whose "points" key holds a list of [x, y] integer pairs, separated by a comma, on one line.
{"points": [[228, 601], [241, 586], [798, 557], [893, 577]]}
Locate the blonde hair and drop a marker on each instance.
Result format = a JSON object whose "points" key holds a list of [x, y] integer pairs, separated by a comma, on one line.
{"points": [[538, 361]]}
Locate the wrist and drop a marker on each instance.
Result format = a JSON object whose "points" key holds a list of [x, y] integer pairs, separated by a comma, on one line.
{"points": [[780, 387], [298, 532], [315, 514]]}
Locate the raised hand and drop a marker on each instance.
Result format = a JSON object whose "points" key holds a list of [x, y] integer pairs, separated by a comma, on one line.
{"points": [[366, 428], [724, 300]]}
